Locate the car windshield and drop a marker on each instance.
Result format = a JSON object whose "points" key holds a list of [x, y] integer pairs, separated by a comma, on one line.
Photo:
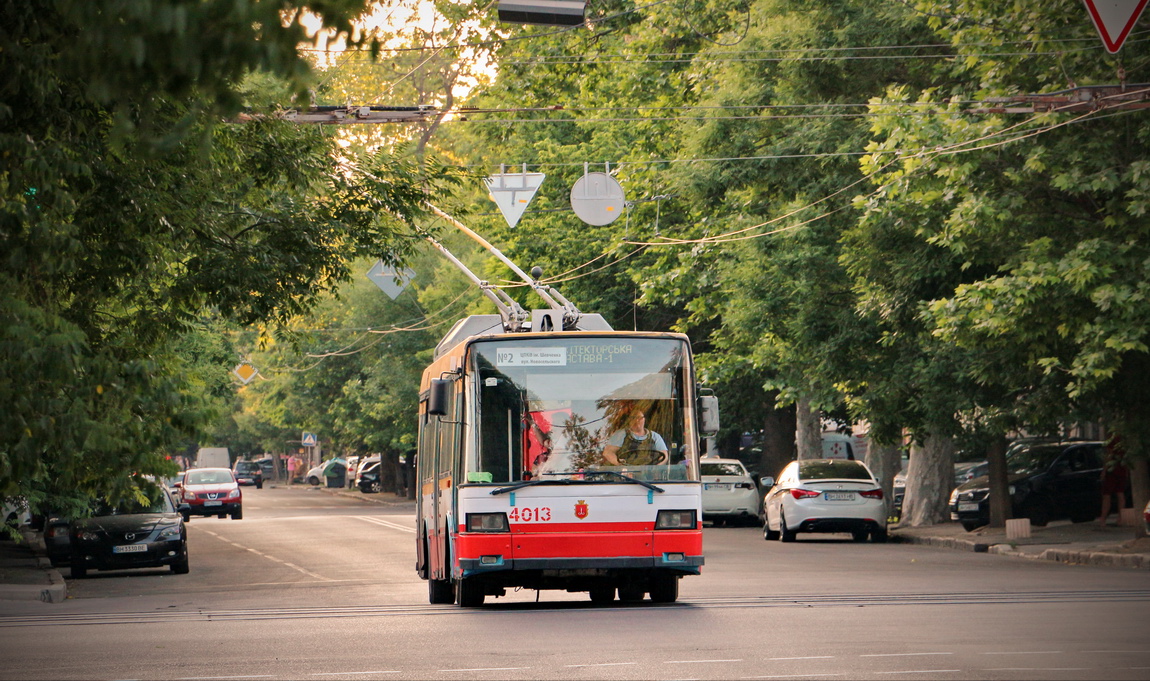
{"points": [[551, 408], [721, 469], [1030, 460], [836, 469], [208, 477], [247, 467], [158, 501]]}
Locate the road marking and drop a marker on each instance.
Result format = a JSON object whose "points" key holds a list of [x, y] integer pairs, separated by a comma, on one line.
{"points": [[695, 661], [385, 523], [271, 558], [600, 664], [485, 669], [390, 671], [924, 671], [1029, 652], [812, 657], [902, 654], [204, 678], [791, 676], [1040, 669]]}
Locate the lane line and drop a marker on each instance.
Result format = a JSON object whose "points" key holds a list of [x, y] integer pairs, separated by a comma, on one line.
{"points": [[380, 671], [901, 654], [812, 657], [485, 669], [792, 676], [1029, 652], [600, 664], [385, 523], [271, 558], [924, 671], [696, 661]]}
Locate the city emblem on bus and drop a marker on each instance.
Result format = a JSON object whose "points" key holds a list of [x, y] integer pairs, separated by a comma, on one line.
{"points": [[581, 509]]}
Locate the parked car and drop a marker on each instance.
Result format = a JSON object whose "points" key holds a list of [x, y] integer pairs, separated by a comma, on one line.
{"points": [[57, 541], [824, 495], [729, 492], [331, 471], [210, 491], [969, 470], [370, 479], [248, 473], [1048, 481], [1146, 517], [267, 467], [15, 513], [130, 535]]}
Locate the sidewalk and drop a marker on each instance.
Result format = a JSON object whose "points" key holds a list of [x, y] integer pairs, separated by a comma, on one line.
{"points": [[1064, 542], [26, 573]]}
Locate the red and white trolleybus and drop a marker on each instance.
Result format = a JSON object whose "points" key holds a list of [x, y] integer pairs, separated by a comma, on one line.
{"points": [[564, 459]]}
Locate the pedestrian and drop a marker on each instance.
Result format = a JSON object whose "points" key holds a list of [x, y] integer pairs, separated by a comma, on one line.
{"points": [[293, 466], [1115, 477]]}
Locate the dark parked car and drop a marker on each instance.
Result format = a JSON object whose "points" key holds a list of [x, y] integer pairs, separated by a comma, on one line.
{"points": [[369, 478], [131, 535], [57, 543], [249, 473], [1048, 481]]}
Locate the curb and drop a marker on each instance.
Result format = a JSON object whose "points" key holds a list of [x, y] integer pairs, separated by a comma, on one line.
{"points": [[57, 589], [1068, 556]]}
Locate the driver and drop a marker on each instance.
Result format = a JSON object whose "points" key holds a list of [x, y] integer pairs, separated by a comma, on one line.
{"points": [[634, 445]]}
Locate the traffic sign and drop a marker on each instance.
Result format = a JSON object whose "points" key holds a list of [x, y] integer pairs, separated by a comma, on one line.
{"points": [[245, 372], [1114, 19], [308, 439], [388, 280], [597, 199], [512, 192]]}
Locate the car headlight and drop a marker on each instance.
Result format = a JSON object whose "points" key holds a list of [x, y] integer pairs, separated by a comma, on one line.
{"points": [[189, 495], [235, 493], [170, 531], [87, 535], [954, 495], [1012, 490]]}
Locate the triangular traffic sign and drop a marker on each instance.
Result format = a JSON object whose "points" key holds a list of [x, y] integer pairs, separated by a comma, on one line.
{"points": [[1114, 19], [512, 192]]}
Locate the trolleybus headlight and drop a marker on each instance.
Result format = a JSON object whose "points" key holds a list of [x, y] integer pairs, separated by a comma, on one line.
{"points": [[487, 522], [675, 520]]}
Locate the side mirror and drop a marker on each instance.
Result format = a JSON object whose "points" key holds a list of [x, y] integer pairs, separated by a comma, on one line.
{"points": [[709, 415], [183, 508], [767, 482], [438, 397], [177, 485]]}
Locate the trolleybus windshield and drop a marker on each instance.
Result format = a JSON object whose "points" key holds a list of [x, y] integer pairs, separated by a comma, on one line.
{"points": [[564, 408]]}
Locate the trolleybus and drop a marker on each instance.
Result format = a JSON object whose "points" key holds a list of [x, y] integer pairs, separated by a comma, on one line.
{"points": [[565, 460]]}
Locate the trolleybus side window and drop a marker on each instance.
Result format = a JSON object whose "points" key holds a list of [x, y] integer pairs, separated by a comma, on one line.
{"points": [[550, 407]]}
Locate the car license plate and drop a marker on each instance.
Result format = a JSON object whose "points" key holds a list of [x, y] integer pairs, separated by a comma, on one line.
{"points": [[963, 507], [130, 548], [717, 485], [213, 503], [839, 496]]}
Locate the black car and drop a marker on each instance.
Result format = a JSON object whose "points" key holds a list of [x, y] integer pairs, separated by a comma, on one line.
{"points": [[249, 473], [57, 543], [131, 535], [1048, 481], [369, 477]]}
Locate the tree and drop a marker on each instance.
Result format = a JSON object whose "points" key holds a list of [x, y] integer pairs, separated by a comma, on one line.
{"points": [[1044, 215], [132, 213]]}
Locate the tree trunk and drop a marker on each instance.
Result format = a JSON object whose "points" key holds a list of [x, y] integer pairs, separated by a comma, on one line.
{"points": [[808, 430], [929, 480], [778, 437], [1000, 507], [885, 461]]}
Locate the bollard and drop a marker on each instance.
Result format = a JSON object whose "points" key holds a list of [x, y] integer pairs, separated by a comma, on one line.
{"points": [[1018, 528]]}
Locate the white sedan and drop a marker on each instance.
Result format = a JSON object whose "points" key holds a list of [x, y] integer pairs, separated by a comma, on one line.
{"points": [[729, 492], [825, 495]]}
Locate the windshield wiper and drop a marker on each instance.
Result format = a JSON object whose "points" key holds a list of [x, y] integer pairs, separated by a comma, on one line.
{"points": [[529, 483], [628, 478]]}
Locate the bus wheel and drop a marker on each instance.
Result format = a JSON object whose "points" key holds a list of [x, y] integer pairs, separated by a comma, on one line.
{"points": [[440, 591], [665, 588], [471, 593], [603, 594], [631, 593]]}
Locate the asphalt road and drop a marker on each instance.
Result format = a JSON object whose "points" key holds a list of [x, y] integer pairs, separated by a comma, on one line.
{"points": [[315, 586]]}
